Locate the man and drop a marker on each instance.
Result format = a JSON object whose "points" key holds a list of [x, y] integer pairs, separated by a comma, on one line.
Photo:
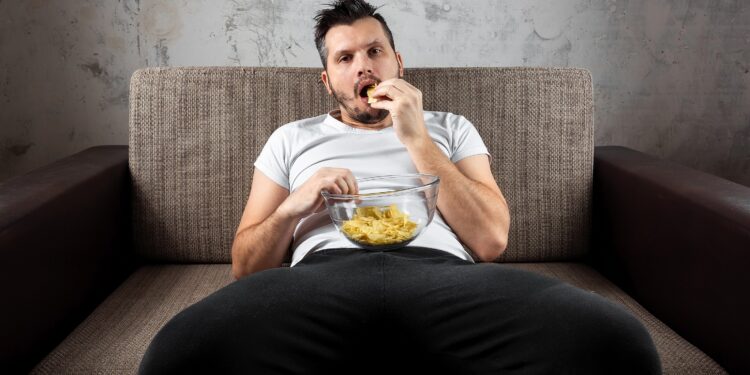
{"points": [[426, 307]]}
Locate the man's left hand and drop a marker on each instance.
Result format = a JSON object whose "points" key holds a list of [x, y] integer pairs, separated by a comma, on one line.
{"points": [[404, 102]]}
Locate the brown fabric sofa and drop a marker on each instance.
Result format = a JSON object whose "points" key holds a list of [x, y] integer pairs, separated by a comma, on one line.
{"points": [[99, 250]]}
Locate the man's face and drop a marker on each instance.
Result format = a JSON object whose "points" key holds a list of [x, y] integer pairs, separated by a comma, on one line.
{"points": [[358, 56]]}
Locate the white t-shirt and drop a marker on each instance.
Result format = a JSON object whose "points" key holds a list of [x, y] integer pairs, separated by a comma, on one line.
{"points": [[295, 151]]}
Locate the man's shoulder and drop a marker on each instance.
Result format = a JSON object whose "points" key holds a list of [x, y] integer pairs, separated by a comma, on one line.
{"points": [[443, 119], [306, 124]]}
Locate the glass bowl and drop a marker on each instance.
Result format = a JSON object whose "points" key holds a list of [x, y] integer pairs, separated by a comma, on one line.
{"points": [[387, 213]]}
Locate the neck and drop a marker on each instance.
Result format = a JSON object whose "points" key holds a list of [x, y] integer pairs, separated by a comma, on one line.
{"points": [[344, 117]]}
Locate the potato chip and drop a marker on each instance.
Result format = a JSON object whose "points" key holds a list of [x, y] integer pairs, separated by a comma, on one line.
{"points": [[373, 225], [370, 90]]}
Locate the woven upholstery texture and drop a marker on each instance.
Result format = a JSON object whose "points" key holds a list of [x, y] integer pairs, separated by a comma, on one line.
{"points": [[195, 133], [114, 337]]}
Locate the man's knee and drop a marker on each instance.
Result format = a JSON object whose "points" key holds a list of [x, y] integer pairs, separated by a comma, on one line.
{"points": [[176, 347], [210, 329], [594, 334]]}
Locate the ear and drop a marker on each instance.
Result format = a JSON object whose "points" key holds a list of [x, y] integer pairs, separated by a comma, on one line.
{"points": [[400, 65], [324, 78]]}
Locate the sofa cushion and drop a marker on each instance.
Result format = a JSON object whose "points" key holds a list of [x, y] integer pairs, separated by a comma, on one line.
{"points": [[195, 133], [114, 338]]}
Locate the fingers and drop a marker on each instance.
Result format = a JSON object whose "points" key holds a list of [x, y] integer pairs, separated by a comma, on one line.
{"points": [[383, 104], [343, 187], [307, 199], [352, 183], [388, 89], [393, 90], [338, 181], [394, 86]]}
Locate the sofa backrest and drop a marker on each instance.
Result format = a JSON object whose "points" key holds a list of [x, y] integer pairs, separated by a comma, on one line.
{"points": [[196, 132]]}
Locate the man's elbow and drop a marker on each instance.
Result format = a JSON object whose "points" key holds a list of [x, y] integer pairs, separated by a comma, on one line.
{"points": [[238, 271], [496, 241], [493, 250], [247, 263], [240, 262]]}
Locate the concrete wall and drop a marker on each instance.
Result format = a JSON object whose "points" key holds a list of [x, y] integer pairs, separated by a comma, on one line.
{"points": [[671, 77]]}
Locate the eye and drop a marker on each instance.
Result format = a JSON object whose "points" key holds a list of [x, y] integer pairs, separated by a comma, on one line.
{"points": [[344, 58], [376, 51]]}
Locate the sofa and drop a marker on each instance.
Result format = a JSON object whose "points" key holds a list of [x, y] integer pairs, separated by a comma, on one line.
{"points": [[100, 249]]}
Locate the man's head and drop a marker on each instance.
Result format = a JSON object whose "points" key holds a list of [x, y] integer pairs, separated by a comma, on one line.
{"points": [[344, 12], [357, 50]]}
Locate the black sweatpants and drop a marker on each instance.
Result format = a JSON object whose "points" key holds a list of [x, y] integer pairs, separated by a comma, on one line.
{"points": [[412, 310]]}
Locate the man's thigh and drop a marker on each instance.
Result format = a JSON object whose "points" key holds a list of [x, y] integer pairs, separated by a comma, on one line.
{"points": [[492, 317], [306, 319]]}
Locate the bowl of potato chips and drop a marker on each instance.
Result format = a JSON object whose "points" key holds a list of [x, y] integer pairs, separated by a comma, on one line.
{"points": [[388, 212]]}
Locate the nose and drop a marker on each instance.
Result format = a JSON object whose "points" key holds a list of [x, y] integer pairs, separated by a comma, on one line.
{"points": [[364, 65]]}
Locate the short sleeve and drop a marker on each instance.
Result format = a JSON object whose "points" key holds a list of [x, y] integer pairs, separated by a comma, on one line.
{"points": [[466, 140], [272, 160]]}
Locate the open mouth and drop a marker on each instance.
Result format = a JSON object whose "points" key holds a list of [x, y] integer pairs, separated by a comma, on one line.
{"points": [[363, 92]]}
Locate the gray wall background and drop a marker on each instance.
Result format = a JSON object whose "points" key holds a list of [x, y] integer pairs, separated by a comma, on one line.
{"points": [[671, 77]]}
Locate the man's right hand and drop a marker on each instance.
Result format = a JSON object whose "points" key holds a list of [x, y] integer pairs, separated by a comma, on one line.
{"points": [[307, 199]]}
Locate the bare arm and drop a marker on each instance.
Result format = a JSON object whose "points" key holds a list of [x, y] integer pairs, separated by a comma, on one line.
{"points": [[271, 214], [264, 234], [469, 199]]}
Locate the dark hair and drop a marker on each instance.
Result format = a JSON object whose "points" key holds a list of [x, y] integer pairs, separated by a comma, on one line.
{"points": [[344, 12]]}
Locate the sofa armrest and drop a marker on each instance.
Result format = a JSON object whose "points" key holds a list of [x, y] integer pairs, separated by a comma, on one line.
{"points": [[64, 246], [678, 240]]}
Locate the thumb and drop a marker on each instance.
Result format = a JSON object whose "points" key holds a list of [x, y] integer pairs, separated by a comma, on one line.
{"points": [[381, 104], [319, 207]]}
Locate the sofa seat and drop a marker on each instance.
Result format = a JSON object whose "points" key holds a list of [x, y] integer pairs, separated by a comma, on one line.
{"points": [[114, 337]]}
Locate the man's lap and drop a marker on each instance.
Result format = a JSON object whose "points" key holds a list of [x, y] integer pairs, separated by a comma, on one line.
{"points": [[423, 303]]}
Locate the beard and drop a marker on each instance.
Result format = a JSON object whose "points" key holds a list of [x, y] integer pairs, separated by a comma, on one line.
{"points": [[370, 116]]}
